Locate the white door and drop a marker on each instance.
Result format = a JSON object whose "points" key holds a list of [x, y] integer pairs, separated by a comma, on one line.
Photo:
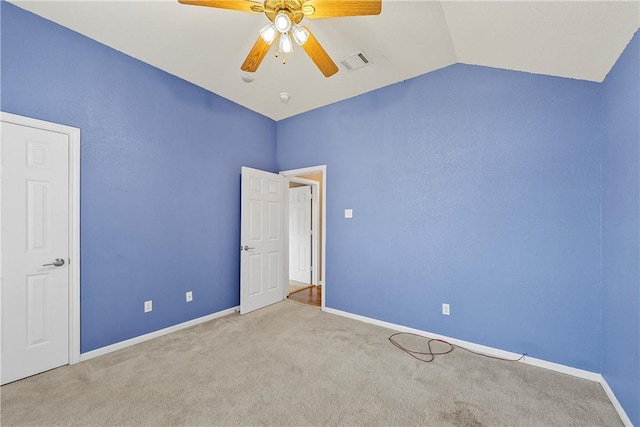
{"points": [[35, 246], [300, 234], [261, 239]]}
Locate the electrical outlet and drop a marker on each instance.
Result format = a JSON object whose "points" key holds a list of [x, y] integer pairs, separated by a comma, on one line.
{"points": [[148, 306], [189, 296], [445, 309]]}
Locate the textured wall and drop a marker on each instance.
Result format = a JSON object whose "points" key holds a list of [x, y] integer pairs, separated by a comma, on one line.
{"points": [[621, 229], [471, 186], [160, 171]]}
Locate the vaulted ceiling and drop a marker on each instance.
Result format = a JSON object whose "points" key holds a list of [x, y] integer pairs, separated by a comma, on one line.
{"points": [[206, 46]]}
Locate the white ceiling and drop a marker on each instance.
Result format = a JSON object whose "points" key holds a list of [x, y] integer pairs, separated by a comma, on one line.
{"points": [[206, 46]]}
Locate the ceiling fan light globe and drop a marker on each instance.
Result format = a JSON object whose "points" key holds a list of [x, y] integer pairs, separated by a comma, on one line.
{"points": [[268, 33], [285, 45], [300, 34], [282, 22]]}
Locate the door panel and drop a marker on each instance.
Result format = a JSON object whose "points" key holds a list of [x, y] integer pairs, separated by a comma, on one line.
{"points": [[300, 234], [38, 228], [261, 239], [35, 232]]}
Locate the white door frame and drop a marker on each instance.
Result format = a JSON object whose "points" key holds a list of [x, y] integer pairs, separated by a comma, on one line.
{"points": [[314, 223], [292, 176], [74, 222]]}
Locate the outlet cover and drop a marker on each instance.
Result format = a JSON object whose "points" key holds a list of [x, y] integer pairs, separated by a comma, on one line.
{"points": [[189, 296], [148, 306], [445, 309]]}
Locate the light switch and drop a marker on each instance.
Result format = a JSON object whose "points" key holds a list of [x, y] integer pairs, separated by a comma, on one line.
{"points": [[348, 213]]}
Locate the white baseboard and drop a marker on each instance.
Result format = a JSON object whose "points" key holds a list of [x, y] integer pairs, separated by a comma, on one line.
{"points": [[580, 373], [491, 351], [142, 338], [614, 401]]}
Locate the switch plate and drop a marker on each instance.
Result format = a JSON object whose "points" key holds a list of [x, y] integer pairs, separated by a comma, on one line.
{"points": [[445, 309], [348, 213], [189, 296], [148, 306]]}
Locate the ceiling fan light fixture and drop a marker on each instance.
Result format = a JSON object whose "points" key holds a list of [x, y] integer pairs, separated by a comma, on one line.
{"points": [[282, 22], [285, 45], [285, 17], [268, 33], [300, 34]]}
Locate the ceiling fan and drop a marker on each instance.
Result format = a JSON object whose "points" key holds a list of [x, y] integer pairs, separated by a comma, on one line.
{"points": [[285, 17]]}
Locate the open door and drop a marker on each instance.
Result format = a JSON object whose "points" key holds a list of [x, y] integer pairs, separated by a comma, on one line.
{"points": [[261, 239]]}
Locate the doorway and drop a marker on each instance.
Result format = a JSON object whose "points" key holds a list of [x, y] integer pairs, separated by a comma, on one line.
{"points": [[313, 290]]}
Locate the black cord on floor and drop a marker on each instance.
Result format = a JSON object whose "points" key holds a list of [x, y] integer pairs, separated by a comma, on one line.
{"points": [[429, 355]]}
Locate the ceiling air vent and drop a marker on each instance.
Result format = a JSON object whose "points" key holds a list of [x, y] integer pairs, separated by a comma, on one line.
{"points": [[356, 61]]}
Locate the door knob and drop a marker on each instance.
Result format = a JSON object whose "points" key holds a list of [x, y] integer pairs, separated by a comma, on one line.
{"points": [[59, 262], [246, 248]]}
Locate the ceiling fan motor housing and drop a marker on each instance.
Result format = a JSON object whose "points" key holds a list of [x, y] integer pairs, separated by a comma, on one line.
{"points": [[291, 8]]}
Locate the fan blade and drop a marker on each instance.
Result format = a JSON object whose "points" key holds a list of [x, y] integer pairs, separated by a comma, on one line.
{"points": [[335, 8], [241, 5], [319, 56], [256, 55]]}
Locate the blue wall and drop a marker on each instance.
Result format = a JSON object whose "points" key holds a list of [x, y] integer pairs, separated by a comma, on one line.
{"points": [[471, 186], [621, 229], [160, 171]]}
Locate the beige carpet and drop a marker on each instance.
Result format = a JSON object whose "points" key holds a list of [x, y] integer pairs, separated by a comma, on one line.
{"points": [[291, 364]]}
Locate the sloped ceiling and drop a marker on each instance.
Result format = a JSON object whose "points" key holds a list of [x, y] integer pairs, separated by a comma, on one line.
{"points": [[206, 46]]}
